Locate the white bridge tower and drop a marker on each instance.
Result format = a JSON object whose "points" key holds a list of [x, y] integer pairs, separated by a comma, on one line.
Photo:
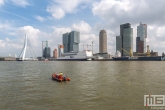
{"points": [[23, 52]]}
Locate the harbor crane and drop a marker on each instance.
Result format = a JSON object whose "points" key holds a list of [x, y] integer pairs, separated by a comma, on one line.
{"points": [[86, 45], [129, 53], [147, 53]]}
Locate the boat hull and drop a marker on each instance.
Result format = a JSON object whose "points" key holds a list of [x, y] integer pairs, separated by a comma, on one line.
{"points": [[74, 59], [55, 77], [157, 58], [120, 58]]}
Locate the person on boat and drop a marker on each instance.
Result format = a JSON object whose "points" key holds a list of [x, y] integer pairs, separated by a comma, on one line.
{"points": [[60, 75]]}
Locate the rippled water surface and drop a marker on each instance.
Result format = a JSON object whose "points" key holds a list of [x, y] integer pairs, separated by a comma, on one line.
{"points": [[97, 85]]}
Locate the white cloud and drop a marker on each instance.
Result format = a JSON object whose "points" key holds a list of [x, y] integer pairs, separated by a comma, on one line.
{"points": [[2, 43], [160, 32], [116, 12], [59, 8], [4, 26], [9, 46], [1, 2], [105, 8], [82, 27], [21, 3], [32, 34], [39, 18], [7, 39], [57, 13], [86, 36], [7, 27], [56, 36]]}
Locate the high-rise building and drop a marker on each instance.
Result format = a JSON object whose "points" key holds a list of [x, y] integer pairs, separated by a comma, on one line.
{"points": [[65, 40], [55, 53], [44, 44], [124, 42], [71, 41], [74, 37], [45, 50], [141, 38], [60, 50], [103, 42]]}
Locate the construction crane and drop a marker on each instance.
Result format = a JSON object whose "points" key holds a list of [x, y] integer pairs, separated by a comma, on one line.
{"points": [[147, 53], [87, 46], [129, 53]]}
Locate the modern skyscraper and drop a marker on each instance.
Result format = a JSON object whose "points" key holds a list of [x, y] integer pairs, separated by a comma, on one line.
{"points": [[45, 50], [124, 42], [44, 44], [71, 41], [141, 38], [65, 40], [102, 41]]}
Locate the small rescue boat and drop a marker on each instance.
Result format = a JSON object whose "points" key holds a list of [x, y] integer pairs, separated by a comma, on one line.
{"points": [[59, 77]]}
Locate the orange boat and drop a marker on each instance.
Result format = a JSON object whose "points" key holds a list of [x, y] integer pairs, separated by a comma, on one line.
{"points": [[59, 77]]}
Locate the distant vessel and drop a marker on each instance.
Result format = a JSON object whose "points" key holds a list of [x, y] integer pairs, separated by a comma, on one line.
{"points": [[143, 58], [28, 59], [156, 58], [120, 58], [85, 55]]}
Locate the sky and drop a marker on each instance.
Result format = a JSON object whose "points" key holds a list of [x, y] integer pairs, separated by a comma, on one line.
{"points": [[43, 20]]}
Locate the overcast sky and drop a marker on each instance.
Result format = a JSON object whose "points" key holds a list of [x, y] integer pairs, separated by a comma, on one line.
{"points": [[48, 19]]}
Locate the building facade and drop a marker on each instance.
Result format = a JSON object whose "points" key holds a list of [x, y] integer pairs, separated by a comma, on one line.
{"points": [[102, 41], [124, 42], [47, 52], [141, 38], [65, 40], [44, 44], [71, 41], [60, 50], [55, 53]]}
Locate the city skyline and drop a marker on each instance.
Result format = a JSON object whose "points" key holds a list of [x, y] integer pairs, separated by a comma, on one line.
{"points": [[48, 20]]}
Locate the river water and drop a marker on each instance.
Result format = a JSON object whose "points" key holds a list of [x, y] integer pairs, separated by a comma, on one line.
{"points": [[94, 85]]}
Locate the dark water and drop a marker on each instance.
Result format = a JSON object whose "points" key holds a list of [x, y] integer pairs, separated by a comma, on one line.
{"points": [[97, 85]]}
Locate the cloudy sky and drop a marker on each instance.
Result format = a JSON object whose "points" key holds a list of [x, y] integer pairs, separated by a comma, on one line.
{"points": [[48, 19]]}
